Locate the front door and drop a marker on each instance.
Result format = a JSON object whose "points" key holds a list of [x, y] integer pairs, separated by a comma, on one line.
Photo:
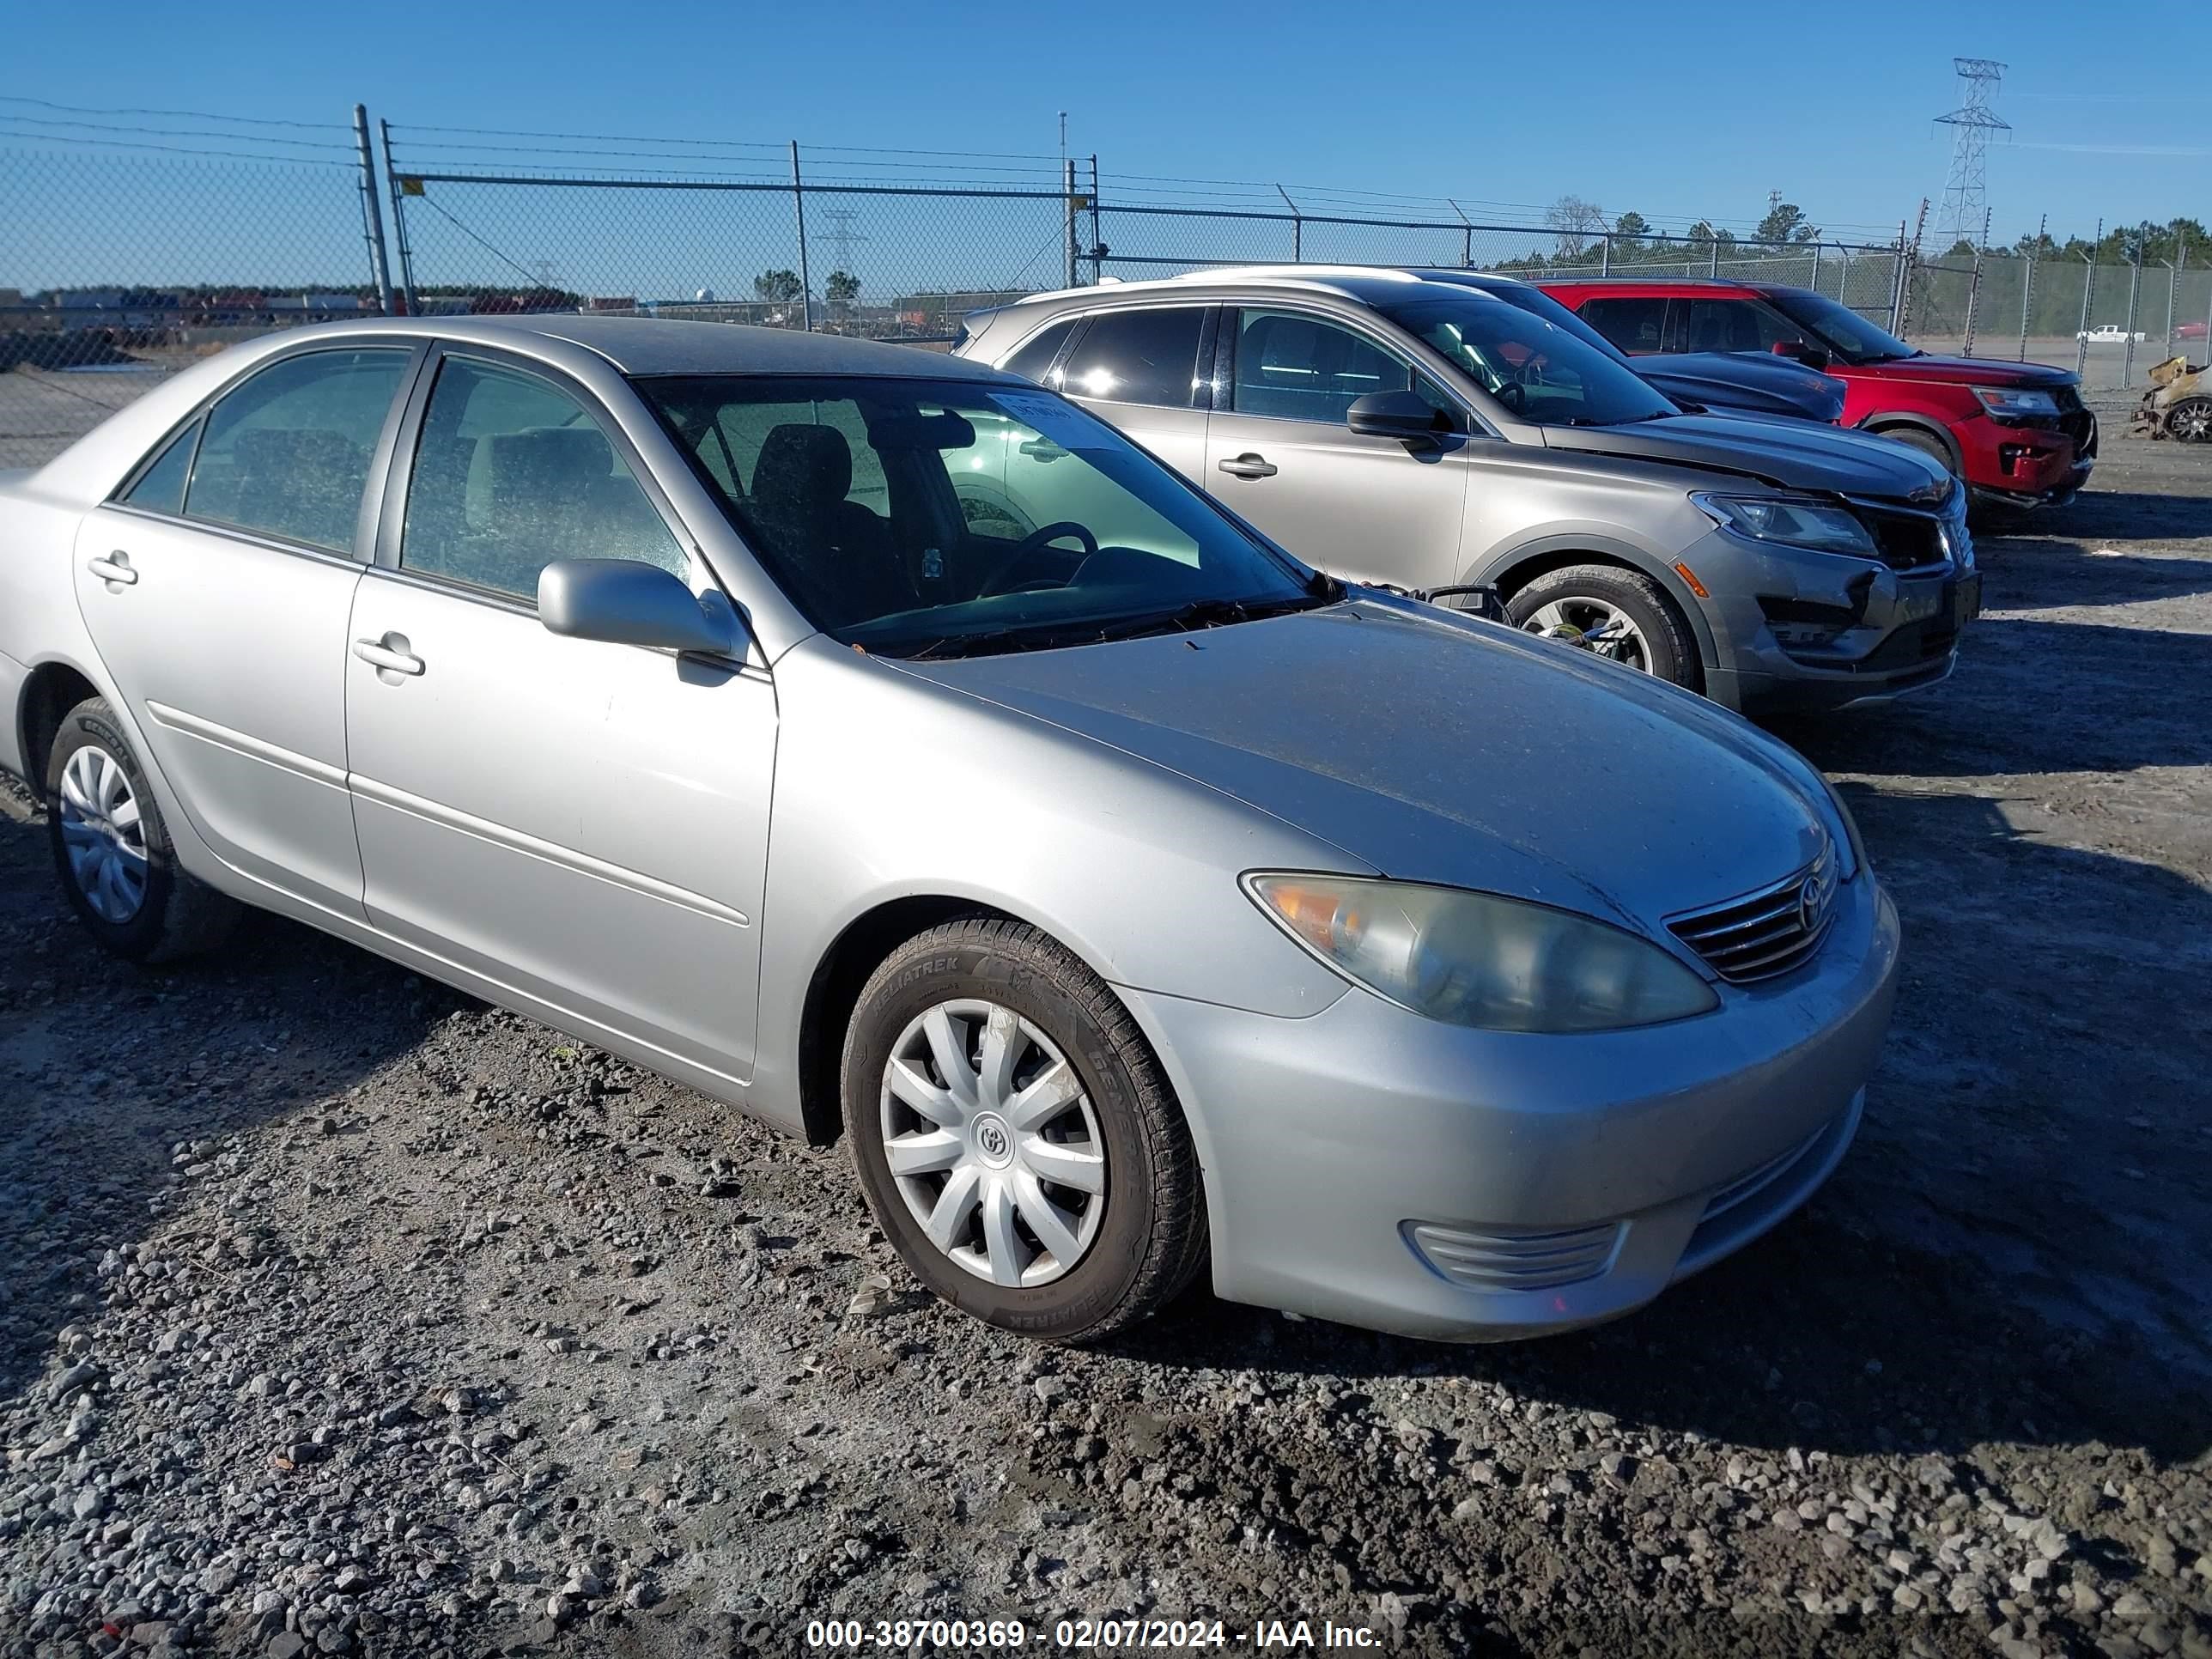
{"points": [[216, 587], [583, 823], [1279, 452]]}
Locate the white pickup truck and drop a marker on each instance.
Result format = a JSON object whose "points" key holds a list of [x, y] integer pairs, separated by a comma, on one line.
{"points": [[2109, 333]]}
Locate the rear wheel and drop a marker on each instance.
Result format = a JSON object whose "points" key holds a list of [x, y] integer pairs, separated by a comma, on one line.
{"points": [[1641, 626], [112, 852], [1014, 1136]]}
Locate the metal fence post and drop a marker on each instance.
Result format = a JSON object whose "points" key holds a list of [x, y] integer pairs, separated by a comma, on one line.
{"points": [[1844, 276], [373, 219], [2027, 281], [1816, 268], [1097, 246], [799, 208], [400, 225], [1465, 235], [2128, 328], [1298, 226], [1713, 258], [1974, 284], [1067, 210], [1605, 254], [2088, 289], [2173, 289]]}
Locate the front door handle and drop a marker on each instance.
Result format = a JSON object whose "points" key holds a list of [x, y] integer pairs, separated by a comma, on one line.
{"points": [[1249, 466], [388, 653], [115, 568]]}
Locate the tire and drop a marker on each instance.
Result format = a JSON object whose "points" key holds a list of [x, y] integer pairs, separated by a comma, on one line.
{"points": [[2189, 421], [1138, 1240], [1670, 652], [1926, 442], [111, 851]]}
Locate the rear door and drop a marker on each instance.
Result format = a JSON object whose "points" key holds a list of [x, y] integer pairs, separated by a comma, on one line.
{"points": [[584, 823], [217, 586], [1277, 451]]}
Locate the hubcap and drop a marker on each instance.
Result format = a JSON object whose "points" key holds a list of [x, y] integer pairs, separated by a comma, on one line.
{"points": [[993, 1144], [2192, 421], [1573, 617], [102, 834]]}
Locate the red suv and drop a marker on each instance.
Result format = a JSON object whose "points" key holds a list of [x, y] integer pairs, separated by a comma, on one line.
{"points": [[2017, 433]]}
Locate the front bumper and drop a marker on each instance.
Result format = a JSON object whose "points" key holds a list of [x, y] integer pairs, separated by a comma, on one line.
{"points": [[2010, 464], [1803, 631], [1340, 1148]]}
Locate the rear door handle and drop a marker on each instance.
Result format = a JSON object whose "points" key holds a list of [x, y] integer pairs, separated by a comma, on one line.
{"points": [[1249, 466], [384, 656], [115, 568]]}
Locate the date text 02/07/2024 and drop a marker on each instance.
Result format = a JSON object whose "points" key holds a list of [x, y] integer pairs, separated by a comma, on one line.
{"points": [[1089, 1635]]}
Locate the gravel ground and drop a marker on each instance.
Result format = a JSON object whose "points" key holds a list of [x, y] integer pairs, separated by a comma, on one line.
{"points": [[339, 1314]]}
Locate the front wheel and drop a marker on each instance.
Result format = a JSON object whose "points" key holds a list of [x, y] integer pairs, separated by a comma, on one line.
{"points": [[113, 852], [1014, 1137], [1640, 627]]}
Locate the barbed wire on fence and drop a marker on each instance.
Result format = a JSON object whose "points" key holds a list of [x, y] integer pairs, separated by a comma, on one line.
{"points": [[141, 237]]}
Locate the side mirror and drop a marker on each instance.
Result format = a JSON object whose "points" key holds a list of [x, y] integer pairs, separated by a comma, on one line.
{"points": [[1406, 415], [1812, 356], [625, 602]]}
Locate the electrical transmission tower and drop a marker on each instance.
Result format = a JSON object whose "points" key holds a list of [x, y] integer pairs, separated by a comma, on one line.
{"points": [[840, 237], [1965, 211]]}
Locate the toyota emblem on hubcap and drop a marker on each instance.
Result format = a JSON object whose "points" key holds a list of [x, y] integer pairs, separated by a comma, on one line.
{"points": [[992, 1139]]}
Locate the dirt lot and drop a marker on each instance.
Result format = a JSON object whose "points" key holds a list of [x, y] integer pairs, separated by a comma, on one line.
{"points": [[340, 1313]]}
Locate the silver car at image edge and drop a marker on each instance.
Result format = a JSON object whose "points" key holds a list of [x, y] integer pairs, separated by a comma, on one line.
{"points": [[1138, 902]]}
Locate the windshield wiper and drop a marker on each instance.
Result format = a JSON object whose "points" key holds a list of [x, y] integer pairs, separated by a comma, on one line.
{"points": [[1212, 613]]}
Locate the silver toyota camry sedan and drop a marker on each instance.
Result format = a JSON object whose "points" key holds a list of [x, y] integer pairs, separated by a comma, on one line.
{"points": [[1135, 900]]}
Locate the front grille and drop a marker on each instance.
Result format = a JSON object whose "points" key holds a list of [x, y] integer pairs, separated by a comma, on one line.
{"points": [[1906, 541], [1768, 933], [1514, 1261]]}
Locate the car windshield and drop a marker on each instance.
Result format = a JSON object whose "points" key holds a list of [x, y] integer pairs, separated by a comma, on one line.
{"points": [[927, 518], [1537, 303], [1540, 370], [1839, 328]]}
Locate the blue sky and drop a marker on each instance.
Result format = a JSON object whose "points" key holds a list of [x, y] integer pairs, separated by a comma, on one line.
{"points": [[1677, 109], [1674, 109]]}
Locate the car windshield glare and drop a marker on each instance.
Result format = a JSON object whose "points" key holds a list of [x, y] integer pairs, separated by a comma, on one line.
{"points": [[1839, 328], [925, 517], [1540, 371]]}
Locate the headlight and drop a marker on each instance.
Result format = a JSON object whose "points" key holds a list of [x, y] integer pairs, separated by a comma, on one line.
{"points": [[1476, 959], [1794, 523], [2009, 400]]}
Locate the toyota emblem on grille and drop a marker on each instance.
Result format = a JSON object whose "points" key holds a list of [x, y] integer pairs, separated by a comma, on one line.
{"points": [[1808, 903]]}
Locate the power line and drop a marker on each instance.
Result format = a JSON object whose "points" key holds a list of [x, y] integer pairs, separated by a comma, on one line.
{"points": [[172, 114]]}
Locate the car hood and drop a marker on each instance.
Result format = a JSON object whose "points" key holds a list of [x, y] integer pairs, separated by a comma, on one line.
{"points": [[1788, 456], [1737, 380], [1433, 747], [1960, 371]]}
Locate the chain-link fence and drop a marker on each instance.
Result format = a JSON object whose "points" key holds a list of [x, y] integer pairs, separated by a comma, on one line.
{"points": [[2111, 322], [121, 262], [135, 242]]}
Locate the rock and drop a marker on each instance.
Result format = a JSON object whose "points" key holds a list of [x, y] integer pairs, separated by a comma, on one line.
{"points": [[74, 1381], [2131, 1606]]}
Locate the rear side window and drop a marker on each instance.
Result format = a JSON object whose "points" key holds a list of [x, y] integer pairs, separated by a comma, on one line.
{"points": [[511, 474], [1033, 359], [1137, 357], [287, 451], [1737, 325], [1303, 369], [161, 486], [1637, 326]]}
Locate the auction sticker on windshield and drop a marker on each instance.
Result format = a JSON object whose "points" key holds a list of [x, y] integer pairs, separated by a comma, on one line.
{"points": [[1065, 424]]}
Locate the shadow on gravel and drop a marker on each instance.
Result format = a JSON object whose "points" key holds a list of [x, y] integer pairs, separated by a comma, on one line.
{"points": [[2157, 676], [278, 1021], [1989, 1264], [2112, 516]]}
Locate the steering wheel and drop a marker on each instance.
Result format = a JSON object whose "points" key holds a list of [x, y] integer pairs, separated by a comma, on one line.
{"points": [[1029, 546]]}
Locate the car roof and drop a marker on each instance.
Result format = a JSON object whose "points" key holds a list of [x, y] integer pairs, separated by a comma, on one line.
{"points": [[1732, 284], [662, 345], [1368, 284]]}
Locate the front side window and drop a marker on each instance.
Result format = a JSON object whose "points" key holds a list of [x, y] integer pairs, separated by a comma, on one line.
{"points": [[1636, 325], [1010, 519], [1137, 357], [1299, 368], [512, 473], [287, 451], [1842, 330], [1540, 371]]}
